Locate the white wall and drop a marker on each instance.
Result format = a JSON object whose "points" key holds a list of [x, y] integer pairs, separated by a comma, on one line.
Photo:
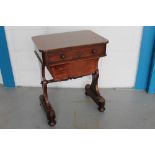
{"points": [[118, 69], [0, 77]]}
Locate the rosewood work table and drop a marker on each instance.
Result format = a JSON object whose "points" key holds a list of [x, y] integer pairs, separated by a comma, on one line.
{"points": [[67, 56]]}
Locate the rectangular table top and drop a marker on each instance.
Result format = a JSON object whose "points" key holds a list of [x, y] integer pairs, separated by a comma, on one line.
{"points": [[50, 42]]}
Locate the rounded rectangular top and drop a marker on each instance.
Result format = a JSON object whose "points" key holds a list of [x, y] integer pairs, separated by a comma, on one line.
{"points": [[68, 39]]}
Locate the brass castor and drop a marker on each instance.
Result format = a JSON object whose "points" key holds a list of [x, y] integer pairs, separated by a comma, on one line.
{"points": [[101, 109], [51, 118], [52, 123]]}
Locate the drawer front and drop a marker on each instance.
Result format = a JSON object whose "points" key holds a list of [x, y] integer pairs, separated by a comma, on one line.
{"points": [[75, 54], [73, 69]]}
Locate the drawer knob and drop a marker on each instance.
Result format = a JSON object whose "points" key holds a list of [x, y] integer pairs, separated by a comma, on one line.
{"points": [[62, 56], [94, 51]]}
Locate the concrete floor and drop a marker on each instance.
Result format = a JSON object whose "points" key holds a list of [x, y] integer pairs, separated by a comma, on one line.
{"points": [[125, 109]]}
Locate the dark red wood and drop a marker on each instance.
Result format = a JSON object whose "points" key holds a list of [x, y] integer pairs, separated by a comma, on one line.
{"points": [[63, 55], [67, 56], [51, 42], [73, 69], [93, 91]]}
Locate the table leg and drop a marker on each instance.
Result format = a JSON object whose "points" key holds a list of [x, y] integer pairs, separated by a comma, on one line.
{"points": [[45, 102], [93, 91]]}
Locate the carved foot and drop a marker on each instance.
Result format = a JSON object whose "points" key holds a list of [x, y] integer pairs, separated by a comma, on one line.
{"points": [[50, 113], [99, 100]]}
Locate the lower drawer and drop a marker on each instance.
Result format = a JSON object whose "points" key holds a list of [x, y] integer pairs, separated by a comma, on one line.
{"points": [[73, 69]]}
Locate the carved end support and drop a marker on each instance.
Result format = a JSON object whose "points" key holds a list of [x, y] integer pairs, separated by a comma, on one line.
{"points": [[99, 100], [93, 91], [50, 113]]}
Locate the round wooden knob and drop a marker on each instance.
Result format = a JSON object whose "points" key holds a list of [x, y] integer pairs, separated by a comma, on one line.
{"points": [[62, 56], [94, 51]]}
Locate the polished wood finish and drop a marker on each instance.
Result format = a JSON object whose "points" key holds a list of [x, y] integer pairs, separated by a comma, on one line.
{"points": [[66, 71], [93, 91], [68, 56], [60, 56], [46, 43]]}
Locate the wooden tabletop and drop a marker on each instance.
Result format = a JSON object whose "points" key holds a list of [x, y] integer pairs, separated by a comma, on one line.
{"points": [[69, 39]]}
